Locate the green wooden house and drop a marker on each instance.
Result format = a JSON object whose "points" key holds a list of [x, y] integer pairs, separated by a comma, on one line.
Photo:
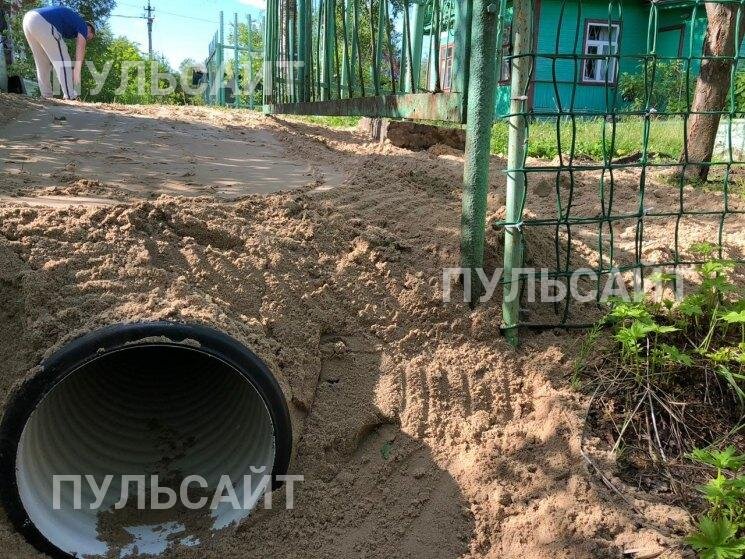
{"points": [[628, 29]]}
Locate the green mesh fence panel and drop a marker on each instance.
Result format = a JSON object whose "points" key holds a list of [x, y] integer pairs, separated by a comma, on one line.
{"points": [[610, 161]]}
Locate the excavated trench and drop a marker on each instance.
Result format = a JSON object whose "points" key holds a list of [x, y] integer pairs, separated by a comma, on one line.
{"points": [[154, 399]]}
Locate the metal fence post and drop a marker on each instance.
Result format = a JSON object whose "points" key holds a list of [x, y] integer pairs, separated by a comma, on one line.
{"points": [[268, 85], [237, 62], [513, 242], [417, 42], [3, 68], [291, 55], [405, 71], [481, 98], [221, 62], [378, 65], [250, 66], [303, 48], [346, 72], [459, 81], [329, 47]]}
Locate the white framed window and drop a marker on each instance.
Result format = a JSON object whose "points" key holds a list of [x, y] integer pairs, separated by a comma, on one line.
{"points": [[447, 54], [601, 41]]}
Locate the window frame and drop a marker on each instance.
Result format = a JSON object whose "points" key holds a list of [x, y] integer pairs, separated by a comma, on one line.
{"points": [[614, 58], [446, 66]]}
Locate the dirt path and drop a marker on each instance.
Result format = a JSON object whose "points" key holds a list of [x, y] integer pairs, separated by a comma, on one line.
{"points": [[425, 435], [102, 155]]}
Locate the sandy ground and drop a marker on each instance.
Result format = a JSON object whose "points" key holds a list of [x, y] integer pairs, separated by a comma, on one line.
{"points": [[336, 283], [107, 154]]}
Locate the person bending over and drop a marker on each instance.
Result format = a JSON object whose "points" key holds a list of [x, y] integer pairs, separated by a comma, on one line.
{"points": [[45, 30]]}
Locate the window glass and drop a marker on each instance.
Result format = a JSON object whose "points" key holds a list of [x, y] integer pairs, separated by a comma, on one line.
{"points": [[447, 53], [601, 41]]}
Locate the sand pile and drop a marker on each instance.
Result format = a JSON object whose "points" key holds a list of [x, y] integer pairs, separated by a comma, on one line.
{"points": [[14, 105], [422, 434]]}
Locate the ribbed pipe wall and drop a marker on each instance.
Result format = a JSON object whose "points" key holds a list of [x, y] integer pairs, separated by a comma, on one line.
{"points": [[163, 409]]}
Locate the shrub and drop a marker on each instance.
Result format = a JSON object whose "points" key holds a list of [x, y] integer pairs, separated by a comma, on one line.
{"points": [[660, 86]]}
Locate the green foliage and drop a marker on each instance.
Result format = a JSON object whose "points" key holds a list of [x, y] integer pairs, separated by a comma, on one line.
{"points": [[672, 355], [659, 348], [330, 121], [586, 350], [703, 249], [192, 96], [717, 539], [660, 86], [720, 532], [727, 459], [131, 75], [738, 86], [254, 40]]}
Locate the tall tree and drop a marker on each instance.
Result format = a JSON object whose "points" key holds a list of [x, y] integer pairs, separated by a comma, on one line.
{"points": [[712, 87], [97, 11]]}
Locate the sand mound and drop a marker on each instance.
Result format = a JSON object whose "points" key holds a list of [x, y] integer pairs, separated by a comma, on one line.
{"points": [[11, 106], [420, 433]]}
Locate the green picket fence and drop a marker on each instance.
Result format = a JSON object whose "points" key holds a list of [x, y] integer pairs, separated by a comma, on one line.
{"points": [[399, 58]]}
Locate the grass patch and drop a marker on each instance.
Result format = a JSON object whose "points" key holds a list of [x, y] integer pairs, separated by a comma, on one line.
{"points": [[665, 138], [329, 121]]}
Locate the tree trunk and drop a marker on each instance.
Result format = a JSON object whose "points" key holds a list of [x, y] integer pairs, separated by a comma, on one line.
{"points": [[712, 89]]}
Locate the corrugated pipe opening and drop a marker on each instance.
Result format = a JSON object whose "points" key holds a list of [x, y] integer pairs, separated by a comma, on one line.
{"points": [[153, 399]]}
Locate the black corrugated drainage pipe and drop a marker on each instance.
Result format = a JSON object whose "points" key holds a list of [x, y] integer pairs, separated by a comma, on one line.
{"points": [[165, 399]]}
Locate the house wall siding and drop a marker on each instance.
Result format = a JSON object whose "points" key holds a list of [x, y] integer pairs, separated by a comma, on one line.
{"points": [[558, 84]]}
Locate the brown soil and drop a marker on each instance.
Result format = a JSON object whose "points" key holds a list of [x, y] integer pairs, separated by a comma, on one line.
{"points": [[420, 433]]}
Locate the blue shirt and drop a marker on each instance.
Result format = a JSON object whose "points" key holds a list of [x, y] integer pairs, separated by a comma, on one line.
{"points": [[68, 22]]}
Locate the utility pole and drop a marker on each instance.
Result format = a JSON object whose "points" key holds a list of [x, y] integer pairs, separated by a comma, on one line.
{"points": [[149, 9]]}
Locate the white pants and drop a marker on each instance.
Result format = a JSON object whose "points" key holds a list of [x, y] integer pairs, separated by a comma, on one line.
{"points": [[50, 51]]}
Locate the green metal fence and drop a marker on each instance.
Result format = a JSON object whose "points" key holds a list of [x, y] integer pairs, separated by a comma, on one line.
{"points": [[416, 59], [566, 66], [635, 91], [234, 64], [380, 58]]}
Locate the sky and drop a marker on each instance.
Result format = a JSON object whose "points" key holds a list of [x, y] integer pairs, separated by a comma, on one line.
{"points": [[183, 28]]}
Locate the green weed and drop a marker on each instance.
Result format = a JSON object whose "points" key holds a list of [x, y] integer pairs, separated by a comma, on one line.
{"points": [[672, 367], [329, 121], [720, 531]]}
